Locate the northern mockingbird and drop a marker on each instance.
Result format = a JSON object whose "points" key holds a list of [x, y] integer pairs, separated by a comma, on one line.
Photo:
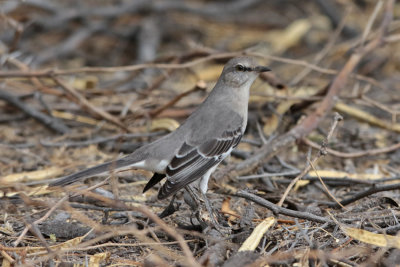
{"points": [[195, 149]]}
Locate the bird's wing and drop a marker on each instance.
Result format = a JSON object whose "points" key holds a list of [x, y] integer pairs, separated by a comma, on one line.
{"points": [[191, 162]]}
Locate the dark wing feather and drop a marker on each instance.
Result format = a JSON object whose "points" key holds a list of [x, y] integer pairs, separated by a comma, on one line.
{"points": [[179, 160], [192, 162], [171, 187]]}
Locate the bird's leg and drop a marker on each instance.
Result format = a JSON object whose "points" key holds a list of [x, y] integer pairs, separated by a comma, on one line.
{"points": [[191, 198], [194, 203], [210, 211]]}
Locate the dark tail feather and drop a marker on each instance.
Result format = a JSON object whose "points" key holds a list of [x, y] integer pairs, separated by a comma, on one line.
{"points": [[96, 170], [157, 177]]}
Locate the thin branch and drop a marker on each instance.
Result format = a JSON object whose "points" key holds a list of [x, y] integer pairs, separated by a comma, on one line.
{"points": [[42, 219], [211, 56], [370, 152], [322, 152], [81, 100], [374, 189], [325, 187], [280, 210], [158, 110], [371, 20], [50, 122], [98, 140], [152, 216]]}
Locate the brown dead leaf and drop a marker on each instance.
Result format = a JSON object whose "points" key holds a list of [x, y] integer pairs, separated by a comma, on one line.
{"points": [[164, 124], [87, 82], [283, 40], [81, 119], [300, 184], [226, 209], [209, 73], [365, 116], [339, 174], [368, 237], [30, 176], [97, 258], [63, 246], [272, 122], [253, 240]]}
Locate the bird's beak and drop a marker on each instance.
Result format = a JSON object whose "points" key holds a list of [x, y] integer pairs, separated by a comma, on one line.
{"points": [[262, 69]]}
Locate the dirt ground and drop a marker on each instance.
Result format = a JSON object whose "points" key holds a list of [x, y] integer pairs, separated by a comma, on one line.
{"points": [[314, 182]]}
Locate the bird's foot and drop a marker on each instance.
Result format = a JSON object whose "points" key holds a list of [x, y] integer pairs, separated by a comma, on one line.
{"points": [[197, 205], [213, 216]]}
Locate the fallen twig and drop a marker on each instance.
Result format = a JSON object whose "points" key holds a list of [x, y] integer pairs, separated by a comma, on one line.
{"points": [[280, 210], [153, 217], [364, 116], [370, 152], [85, 103], [42, 219], [46, 120], [372, 190], [321, 153], [157, 111], [98, 140]]}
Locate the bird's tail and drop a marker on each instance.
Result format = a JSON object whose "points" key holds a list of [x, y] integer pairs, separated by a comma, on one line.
{"points": [[104, 168]]}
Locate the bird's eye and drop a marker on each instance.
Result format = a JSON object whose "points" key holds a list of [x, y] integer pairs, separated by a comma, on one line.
{"points": [[240, 67]]}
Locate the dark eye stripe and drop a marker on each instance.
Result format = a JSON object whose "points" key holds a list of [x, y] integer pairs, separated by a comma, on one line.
{"points": [[240, 67]]}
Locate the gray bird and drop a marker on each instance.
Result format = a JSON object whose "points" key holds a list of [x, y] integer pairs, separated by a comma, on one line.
{"points": [[195, 149]]}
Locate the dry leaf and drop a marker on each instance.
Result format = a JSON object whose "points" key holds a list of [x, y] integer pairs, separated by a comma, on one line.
{"points": [[283, 40], [81, 119], [339, 174], [30, 191], [95, 259], [272, 122], [365, 236], [365, 116], [87, 82], [253, 240], [226, 209], [65, 245], [209, 73], [30, 176], [300, 184], [5, 263], [164, 124]]}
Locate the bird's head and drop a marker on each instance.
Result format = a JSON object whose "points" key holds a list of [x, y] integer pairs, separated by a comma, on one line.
{"points": [[241, 71]]}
